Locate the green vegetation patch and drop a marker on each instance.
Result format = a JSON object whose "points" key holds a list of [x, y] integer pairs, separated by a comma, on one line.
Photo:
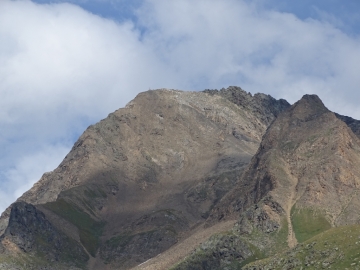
{"points": [[336, 248], [308, 223], [289, 146], [119, 241], [280, 237], [257, 255], [21, 261], [26, 261], [94, 193], [340, 246], [312, 138], [89, 229]]}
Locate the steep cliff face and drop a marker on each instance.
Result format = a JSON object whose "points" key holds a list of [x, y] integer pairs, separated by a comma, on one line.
{"points": [[263, 107], [30, 234], [351, 123], [140, 180]]}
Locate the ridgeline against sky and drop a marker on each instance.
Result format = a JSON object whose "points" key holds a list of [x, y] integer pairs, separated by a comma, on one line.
{"points": [[66, 64]]}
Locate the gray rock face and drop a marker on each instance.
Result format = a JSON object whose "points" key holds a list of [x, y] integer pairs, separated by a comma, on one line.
{"points": [[265, 107], [224, 251], [260, 218], [32, 234], [351, 123]]}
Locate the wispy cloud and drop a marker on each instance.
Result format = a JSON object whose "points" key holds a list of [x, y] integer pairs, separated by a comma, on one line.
{"points": [[233, 42], [62, 68], [27, 170]]}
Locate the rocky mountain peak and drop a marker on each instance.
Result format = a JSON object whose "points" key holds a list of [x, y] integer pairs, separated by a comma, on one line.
{"points": [[265, 107], [307, 108]]}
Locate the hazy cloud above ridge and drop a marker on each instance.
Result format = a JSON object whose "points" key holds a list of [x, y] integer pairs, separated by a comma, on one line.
{"points": [[233, 42], [63, 68]]}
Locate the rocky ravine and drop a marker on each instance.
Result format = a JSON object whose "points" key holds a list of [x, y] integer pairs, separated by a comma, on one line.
{"points": [[140, 180]]}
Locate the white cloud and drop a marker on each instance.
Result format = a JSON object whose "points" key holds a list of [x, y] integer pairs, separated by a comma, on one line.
{"points": [[62, 68], [233, 42], [27, 171], [64, 56]]}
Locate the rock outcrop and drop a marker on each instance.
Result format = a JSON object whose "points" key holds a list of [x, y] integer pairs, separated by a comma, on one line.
{"points": [[30, 233]]}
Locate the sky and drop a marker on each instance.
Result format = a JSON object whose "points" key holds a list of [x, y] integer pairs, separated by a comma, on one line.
{"points": [[65, 65]]}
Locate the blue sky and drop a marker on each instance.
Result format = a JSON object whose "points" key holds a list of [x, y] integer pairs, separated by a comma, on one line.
{"points": [[66, 64], [344, 12]]}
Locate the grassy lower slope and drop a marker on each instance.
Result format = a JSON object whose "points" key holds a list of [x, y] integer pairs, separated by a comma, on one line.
{"points": [[336, 248], [25, 261], [233, 249], [307, 223], [89, 229]]}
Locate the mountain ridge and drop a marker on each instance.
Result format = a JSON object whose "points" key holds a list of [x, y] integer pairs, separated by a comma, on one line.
{"points": [[148, 175]]}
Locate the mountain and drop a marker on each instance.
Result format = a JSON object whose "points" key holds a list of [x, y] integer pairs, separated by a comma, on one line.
{"points": [[307, 160], [302, 181], [142, 179], [219, 179]]}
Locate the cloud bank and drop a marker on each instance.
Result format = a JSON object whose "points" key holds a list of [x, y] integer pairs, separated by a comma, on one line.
{"points": [[63, 68]]}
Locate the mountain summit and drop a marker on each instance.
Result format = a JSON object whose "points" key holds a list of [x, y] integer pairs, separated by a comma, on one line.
{"points": [[222, 174]]}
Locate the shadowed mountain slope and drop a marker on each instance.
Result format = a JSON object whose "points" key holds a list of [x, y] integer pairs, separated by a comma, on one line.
{"points": [[351, 122]]}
